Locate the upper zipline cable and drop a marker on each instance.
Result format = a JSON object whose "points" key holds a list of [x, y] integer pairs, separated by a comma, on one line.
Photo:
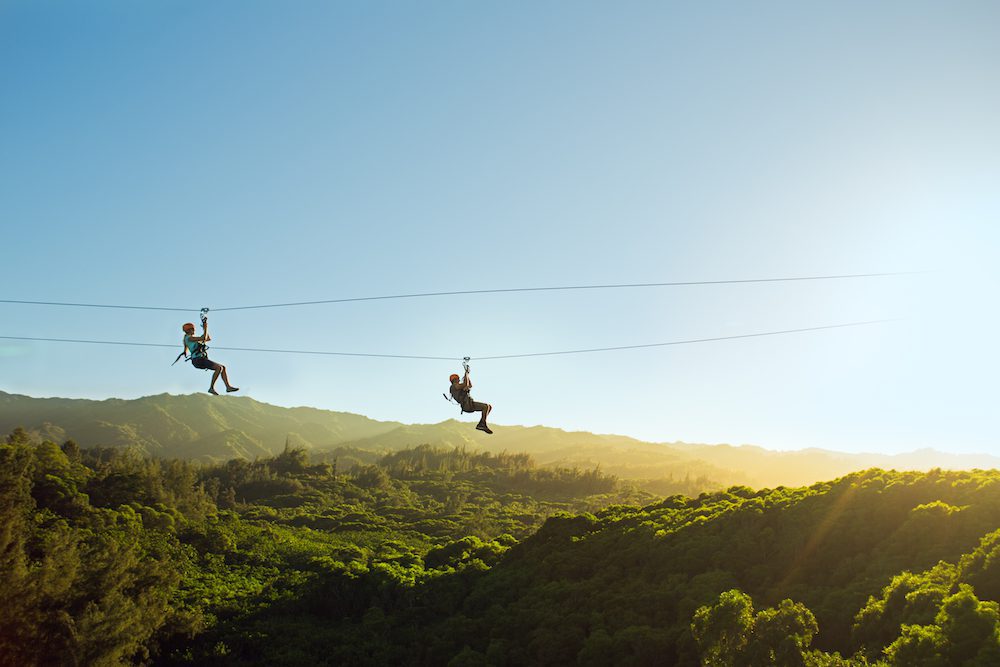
{"points": [[496, 357], [95, 305], [685, 342], [563, 288]]}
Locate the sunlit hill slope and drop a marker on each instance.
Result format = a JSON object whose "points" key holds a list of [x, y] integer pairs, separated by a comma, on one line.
{"points": [[210, 429]]}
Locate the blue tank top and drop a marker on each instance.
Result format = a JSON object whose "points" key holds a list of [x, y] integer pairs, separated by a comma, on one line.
{"points": [[192, 347]]}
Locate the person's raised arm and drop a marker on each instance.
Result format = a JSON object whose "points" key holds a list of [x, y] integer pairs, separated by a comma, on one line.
{"points": [[204, 332]]}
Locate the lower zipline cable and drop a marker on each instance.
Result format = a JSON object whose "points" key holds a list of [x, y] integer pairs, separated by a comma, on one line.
{"points": [[229, 349], [688, 341]]}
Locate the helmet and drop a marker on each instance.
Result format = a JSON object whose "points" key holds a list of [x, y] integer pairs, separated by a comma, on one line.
{"points": [[187, 325], [453, 377]]}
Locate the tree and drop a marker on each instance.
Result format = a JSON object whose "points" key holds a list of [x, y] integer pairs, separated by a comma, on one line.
{"points": [[723, 630], [291, 460], [731, 635], [909, 599], [981, 568], [781, 636], [964, 632]]}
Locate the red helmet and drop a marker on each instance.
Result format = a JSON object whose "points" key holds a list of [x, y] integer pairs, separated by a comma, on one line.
{"points": [[453, 377], [187, 325]]}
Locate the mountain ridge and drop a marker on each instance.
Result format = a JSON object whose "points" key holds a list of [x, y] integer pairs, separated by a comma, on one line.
{"points": [[204, 428]]}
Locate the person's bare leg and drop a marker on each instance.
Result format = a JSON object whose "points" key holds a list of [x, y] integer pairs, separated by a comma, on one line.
{"points": [[482, 426], [215, 376], [225, 378]]}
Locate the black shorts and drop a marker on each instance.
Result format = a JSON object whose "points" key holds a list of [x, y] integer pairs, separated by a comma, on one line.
{"points": [[205, 364], [475, 406]]}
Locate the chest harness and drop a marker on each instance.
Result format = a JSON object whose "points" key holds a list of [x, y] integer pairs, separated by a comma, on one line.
{"points": [[200, 349], [451, 398]]}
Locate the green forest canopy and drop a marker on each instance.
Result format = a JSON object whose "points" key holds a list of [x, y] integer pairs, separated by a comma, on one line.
{"points": [[446, 556]]}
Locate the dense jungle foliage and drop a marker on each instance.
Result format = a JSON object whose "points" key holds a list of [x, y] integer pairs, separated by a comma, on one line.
{"points": [[443, 557]]}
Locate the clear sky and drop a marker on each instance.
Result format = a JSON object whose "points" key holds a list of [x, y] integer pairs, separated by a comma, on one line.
{"points": [[192, 154]]}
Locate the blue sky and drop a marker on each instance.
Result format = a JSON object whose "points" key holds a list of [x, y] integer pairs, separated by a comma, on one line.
{"points": [[237, 153]]}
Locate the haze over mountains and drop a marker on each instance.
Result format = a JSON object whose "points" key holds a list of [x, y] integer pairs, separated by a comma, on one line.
{"points": [[207, 428]]}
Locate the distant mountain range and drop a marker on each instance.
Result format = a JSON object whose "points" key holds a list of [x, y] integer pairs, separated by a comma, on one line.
{"points": [[211, 429]]}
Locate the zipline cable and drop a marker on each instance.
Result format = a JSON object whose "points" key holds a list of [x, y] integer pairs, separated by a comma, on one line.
{"points": [[230, 349], [496, 357], [686, 342], [335, 354], [563, 288], [90, 342], [95, 305], [567, 288]]}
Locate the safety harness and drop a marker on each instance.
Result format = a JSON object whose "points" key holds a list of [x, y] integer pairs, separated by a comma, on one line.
{"points": [[200, 349], [451, 399]]}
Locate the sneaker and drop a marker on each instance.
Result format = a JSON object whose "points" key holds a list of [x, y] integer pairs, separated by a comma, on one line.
{"points": [[212, 391], [484, 428], [230, 390]]}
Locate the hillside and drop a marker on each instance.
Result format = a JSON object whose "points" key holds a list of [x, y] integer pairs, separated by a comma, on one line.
{"points": [[203, 428], [836, 569], [446, 557], [191, 426]]}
